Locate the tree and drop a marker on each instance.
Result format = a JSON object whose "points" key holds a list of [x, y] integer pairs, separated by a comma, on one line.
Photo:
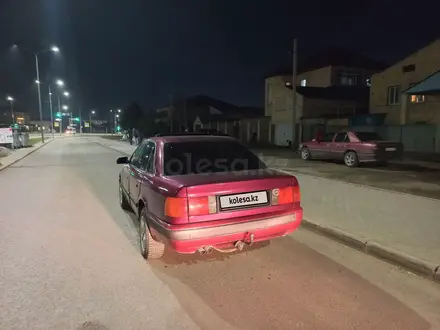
{"points": [[132, 117], [151, 126]]}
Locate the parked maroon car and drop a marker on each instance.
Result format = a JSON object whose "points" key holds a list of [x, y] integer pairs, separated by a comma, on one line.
{"points": [[198, 192], [352, 147]]}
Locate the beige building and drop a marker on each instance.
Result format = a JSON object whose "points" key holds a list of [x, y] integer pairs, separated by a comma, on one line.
{"points": [[330, 83], [387, 87]]}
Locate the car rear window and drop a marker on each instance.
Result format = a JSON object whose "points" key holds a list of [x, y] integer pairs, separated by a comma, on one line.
{"points": [[368, 136], [182, 158]]}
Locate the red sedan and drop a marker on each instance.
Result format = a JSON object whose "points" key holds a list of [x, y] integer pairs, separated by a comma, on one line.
{"points": [[199, 193]]}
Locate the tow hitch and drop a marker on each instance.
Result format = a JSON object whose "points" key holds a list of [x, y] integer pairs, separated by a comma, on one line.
{"points": [[248, 240]]}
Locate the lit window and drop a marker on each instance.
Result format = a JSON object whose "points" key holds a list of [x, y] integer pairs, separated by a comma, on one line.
{"points": [[417, 98], [304, 83]]}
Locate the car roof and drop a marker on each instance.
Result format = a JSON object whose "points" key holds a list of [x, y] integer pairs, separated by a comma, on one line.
{"points": [[193, 138]]}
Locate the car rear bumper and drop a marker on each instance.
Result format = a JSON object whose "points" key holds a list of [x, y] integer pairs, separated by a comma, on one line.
{"points": [[380, 156], [189, 240]]}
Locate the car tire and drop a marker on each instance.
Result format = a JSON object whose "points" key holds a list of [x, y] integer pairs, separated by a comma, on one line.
{"points": [[123, 202], [305, 154], [351, 159], [150, 249]]}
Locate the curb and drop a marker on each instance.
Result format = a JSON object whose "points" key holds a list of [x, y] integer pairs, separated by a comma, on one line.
{"points": [[426, 269], [25, 155]]}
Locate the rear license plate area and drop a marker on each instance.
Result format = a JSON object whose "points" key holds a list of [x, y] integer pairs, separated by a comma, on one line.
{"points": [[244, 200]]}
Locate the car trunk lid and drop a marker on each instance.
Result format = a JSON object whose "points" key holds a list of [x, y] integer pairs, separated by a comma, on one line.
{"points": [[235, 194]]}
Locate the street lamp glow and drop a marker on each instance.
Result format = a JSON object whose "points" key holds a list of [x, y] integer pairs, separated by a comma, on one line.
{"points": [[65, 107], [10, 98], [37, 81], [93, 112], [119, 110], [111, 110], [117, 116], [66, 93], [55, 49], [60, 83]]}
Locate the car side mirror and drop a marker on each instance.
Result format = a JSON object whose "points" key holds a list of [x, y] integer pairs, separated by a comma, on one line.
{"points": [[122, 160]]}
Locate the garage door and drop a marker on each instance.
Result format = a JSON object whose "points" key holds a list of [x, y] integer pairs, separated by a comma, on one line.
{"points": [[283, 133]]}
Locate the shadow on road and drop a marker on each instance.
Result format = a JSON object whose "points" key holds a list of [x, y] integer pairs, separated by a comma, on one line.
{"points": [[283, 286]]}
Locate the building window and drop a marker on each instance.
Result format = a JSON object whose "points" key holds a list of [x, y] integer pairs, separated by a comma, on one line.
{"points": [[268, 94], [408, 68], [348, 79], [417, 98], [393, 95], [304, 82]]}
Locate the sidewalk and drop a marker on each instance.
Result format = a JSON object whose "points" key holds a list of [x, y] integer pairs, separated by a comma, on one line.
{"points": [[15, 155], [401, 228]]}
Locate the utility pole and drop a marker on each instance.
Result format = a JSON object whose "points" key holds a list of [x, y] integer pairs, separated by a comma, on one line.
{"points": [[51, 113], [170, 114], [185, 116], [61, 113], [80, 119], [294, 74]]}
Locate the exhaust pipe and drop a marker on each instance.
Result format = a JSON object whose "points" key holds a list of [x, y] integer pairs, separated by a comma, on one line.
{"points": [[239, 245]]}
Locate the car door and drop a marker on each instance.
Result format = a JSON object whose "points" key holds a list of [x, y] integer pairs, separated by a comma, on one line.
{"points": [[150, 191], [322, 148], [339, 145], [135, 171]]}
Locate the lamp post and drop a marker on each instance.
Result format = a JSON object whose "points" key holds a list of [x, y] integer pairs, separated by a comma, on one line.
{"points": [[51, 113], [11, 101], [116, 119], [55, 50], [90, 120], [60, 84]]}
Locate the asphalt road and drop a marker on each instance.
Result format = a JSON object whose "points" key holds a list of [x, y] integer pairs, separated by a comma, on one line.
{"points": [[69, 260]]}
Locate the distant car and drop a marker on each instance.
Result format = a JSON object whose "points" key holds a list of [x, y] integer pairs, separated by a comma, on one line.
{"points": [[199, 193], [71, 131], [352, 147]]}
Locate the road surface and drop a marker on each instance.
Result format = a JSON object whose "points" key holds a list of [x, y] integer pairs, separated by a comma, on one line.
{"points": [[69, 260]]}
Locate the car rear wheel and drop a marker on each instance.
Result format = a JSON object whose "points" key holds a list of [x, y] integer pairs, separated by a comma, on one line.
{"points": [[150, 249], [305, 154], [123, 202], [351, 159]]}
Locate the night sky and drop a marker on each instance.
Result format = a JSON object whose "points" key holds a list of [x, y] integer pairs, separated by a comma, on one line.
{"points": [[117, 52]]}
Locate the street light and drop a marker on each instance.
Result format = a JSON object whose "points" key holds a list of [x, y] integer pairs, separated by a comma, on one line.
{"points": [[65, 107], [11, 100], [90, 120], [66, 94], [60, 83], [54, 49]]}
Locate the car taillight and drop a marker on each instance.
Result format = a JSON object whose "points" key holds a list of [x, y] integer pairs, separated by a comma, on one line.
{"points": [[182, 207], [176, 207], [202, 205], [286, 195]]}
